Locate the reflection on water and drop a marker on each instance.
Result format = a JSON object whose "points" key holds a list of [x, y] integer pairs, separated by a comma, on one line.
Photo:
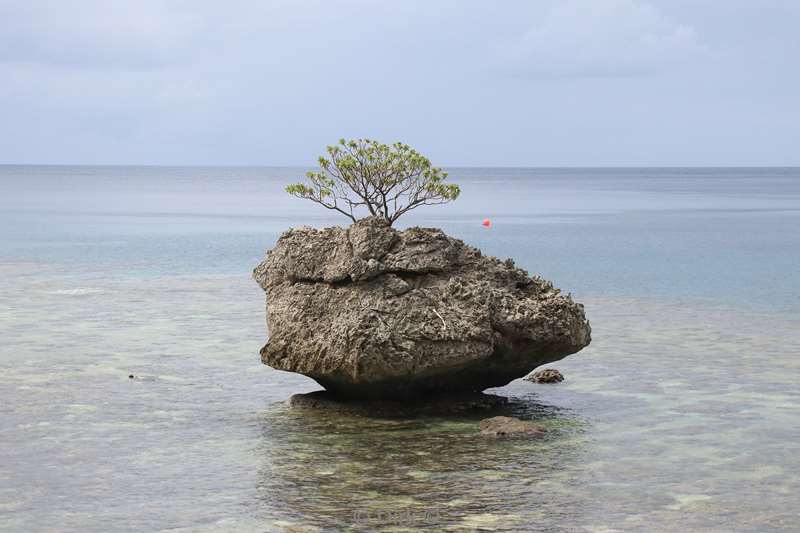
{"points": [[334, 471], [677, 416]]}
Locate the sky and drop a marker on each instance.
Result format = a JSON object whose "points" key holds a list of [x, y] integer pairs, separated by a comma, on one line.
{"points": [[467, 83]]}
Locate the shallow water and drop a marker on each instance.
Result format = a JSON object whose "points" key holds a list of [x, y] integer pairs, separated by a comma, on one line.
{"points": [[682, 414]]}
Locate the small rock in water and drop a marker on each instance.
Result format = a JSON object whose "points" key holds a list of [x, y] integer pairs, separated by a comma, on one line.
{"points": [[506, 426], [546, 375]]}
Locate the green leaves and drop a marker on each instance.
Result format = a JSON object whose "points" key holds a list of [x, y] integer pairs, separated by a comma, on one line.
{"points": [[300, 190], [386, 180]]}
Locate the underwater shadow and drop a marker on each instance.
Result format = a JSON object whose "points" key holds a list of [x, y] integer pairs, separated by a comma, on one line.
{"points": [[335, 470]]}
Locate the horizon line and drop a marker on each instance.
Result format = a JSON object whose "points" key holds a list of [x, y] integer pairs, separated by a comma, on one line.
{"points": [[508, 167]]}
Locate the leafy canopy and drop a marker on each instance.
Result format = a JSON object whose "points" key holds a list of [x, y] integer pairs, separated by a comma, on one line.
{"points": [[387, 180]]}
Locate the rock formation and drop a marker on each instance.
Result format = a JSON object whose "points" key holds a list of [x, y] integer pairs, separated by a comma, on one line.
{"points": [[372, 312], [546, 375]]}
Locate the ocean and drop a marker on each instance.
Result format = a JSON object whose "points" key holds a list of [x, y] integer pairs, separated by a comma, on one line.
{"points": [[682, 413]]}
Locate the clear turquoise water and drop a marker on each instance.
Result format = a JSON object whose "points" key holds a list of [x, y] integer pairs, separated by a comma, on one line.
{"points": [[726, 235], [683, 413]]}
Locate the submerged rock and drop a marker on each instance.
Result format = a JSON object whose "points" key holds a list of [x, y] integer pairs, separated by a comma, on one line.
{"points": [[546, 375], [506, 426], [372, 312], [439, 406]]}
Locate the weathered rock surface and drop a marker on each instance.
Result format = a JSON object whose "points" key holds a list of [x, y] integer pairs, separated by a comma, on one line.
{"points": [[372, 312], [506, 426], [546, 375]]}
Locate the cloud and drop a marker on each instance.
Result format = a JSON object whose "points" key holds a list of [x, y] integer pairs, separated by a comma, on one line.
{"points": [[111, 34], [272, 81], [151, 34], [599, 38]]}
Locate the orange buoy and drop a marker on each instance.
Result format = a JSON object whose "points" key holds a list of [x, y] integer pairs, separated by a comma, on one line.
{"points": [[486, 223]]}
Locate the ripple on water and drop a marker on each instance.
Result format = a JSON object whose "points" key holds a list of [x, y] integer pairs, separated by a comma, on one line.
{"points": [[676, 417]]}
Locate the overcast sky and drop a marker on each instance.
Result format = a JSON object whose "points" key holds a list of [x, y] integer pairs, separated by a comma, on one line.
{"points": [[511, 83]]}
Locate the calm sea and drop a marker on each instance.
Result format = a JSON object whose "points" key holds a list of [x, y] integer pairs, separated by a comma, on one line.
{"points": [[683, 413]]}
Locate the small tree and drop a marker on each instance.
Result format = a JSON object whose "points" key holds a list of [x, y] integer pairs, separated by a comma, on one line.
{"points": [[387, 180]]}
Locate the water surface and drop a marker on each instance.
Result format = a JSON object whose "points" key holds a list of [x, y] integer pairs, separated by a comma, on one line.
{"points": [[681, 414]]}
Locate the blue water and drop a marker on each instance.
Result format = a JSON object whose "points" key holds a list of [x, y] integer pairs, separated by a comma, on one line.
{"points": [[681, 415], [725, 235]]}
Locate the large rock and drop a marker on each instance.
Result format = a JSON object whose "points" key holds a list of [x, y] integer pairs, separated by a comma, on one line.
{"points": [[373, 312]]}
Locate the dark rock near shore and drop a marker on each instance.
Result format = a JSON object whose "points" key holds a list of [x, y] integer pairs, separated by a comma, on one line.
{"points": [[371, 312], [438, 406], [546, 375], [506, 426]]}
